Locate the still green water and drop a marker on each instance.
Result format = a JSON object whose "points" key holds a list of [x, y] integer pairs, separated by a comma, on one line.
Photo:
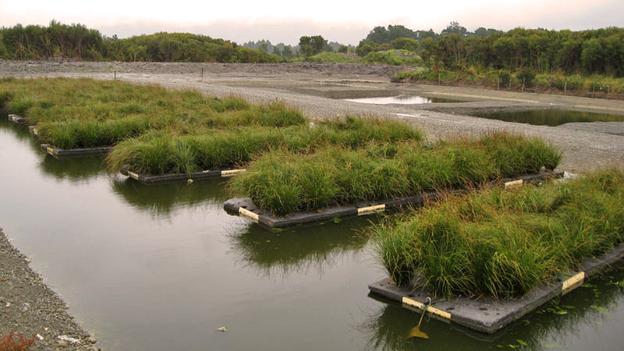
{"points": [[549, 117], [162, 267]]}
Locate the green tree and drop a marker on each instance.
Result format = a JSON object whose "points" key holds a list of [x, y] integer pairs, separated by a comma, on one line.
{"points": [[312, 45]]}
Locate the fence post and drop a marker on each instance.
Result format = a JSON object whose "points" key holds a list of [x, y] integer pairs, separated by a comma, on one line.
{"points": [[497, 83], [114, 75], [565, 87], [202, 74]]}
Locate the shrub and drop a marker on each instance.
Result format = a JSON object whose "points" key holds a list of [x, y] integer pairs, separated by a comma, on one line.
{"points": [[16, 342], [394, 57]]}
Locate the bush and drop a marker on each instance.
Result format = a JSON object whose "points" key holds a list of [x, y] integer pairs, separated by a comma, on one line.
{"points": [[333, 57], [394, 57], [526, 77]]}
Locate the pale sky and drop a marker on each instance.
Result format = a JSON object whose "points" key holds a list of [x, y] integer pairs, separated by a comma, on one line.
{"points": [[345, 21]]}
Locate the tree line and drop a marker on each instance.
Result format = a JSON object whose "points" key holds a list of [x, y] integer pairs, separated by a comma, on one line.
{"points": [[76, 41], [599, 51]]}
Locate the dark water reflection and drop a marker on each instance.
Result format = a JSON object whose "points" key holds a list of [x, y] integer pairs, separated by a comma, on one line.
{"points": [[549, 117], [558, 325], [300, 250], [162, 267]]}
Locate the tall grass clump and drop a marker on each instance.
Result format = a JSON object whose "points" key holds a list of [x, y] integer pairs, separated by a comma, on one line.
{"points": [[504, 243], [283, 182], [161, 152]]}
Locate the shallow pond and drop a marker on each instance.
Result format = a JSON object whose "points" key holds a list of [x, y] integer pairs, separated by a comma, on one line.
{"points": [[549, 117], [400, 100], [162, 267]]}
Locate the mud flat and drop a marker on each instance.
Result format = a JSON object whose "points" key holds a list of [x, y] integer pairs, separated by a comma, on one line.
{"points": [[29, 307]]}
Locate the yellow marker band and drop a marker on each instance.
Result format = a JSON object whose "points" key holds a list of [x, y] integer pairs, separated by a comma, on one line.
{"points": [[51, 150], [133, 175], [232, 172], [430, 309], [243, 212], [573, 282], [371, 209], [514, 184]]}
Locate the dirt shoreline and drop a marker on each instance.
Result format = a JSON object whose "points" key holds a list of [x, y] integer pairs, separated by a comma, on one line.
{"points": [[29, 307]]}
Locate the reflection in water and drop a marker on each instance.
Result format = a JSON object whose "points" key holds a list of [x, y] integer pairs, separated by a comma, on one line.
{"points": [[162, 199], [550, 117], [76, 169], [401, 100], [552, 326], [20, 131], [152, 278], [299, 249]]}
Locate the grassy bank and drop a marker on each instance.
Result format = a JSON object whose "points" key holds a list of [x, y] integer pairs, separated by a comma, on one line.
{"points": [[504, 243], [283, 182], [523, 80], [72, 113], [164, 152]]}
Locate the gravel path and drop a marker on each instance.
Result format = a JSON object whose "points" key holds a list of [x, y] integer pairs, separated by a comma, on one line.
{"points": [[29, 307]]}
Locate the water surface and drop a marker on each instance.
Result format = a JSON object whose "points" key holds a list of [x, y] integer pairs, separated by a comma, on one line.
{"points": [[162, 267], [549, 117], [401, 100]]}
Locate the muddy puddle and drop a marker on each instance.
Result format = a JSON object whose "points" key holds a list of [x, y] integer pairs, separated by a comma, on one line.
{"points": [[549, 117], [162, 267]]}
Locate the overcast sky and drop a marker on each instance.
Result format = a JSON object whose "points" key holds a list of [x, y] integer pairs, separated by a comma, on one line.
{"points": [[345, 21]]}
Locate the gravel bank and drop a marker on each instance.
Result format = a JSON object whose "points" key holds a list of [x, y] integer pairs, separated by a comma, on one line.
{"points": [[29, 307]]}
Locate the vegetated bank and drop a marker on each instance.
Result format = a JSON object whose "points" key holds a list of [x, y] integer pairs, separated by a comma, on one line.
{"points": [[594, 85], [501, 243], [587, 63], [282, 182]]}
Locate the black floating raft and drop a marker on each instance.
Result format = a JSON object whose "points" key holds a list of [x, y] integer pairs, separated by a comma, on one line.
{"points": [[88, 151], [245, 207], [151, 179], [490, 315], [16, 119]]}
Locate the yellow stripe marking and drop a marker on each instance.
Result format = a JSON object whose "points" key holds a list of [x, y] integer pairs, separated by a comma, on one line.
{"points": [[246, 213], [51, 150], [430, 309], [573, 282], [232, 172], [514, 184], [371, 209], [133, 175]]}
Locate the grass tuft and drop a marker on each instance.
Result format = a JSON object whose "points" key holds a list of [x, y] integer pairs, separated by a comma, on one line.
{"points": [[384, 170], [504, 243]]}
